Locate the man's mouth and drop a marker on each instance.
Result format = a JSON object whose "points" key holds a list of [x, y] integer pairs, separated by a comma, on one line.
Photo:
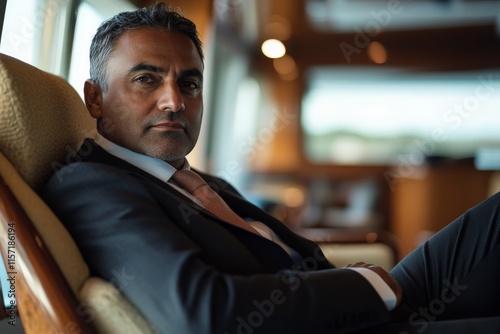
{"points": [[168, 126]]}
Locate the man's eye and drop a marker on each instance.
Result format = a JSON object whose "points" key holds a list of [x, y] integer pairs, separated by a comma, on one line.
{"points": [[190, 84], [145, 79]]}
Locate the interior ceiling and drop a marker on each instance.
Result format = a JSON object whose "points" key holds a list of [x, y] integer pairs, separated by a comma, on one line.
{"points": [[425, 35]]}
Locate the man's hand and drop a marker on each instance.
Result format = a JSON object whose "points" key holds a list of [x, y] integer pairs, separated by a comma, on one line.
{"points": [[391, 282]]}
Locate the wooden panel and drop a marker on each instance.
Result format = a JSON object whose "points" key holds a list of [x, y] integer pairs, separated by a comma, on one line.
{"points": [[434, 199]]}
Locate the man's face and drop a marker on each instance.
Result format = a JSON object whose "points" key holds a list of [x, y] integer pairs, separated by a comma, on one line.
{"points": [[153, 103]]}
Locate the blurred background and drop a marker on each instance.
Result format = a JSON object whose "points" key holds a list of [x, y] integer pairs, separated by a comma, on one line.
{"points": [[370, 116]]}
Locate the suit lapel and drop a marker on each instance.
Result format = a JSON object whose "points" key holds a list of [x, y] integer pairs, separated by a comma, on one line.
{"points": [[260, 246]]}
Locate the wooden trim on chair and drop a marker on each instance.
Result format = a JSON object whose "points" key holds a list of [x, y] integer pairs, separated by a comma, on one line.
{"points": [[45, 301]]}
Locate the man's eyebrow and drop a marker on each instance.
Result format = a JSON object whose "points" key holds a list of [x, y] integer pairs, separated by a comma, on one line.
{"points": [[146, 67], [192, 73], [157, 69]]}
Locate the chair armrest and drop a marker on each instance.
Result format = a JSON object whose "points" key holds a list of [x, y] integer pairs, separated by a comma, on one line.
{"points": [[45, 301]]}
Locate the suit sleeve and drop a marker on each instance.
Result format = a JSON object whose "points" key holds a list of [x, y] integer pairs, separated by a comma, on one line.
{"points": [[129, 239]]}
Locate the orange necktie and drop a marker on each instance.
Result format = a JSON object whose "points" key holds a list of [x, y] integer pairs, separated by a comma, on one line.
{"points": [[196, 186]]}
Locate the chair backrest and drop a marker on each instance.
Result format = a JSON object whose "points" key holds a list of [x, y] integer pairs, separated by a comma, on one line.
{"points": [[42, 119], [42, 122]]}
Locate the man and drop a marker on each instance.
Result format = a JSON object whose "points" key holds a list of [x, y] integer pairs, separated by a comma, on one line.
{"points": [[188, 269]]}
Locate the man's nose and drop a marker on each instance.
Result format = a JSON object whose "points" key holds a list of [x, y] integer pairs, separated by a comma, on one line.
{"points": [[171, 98]]}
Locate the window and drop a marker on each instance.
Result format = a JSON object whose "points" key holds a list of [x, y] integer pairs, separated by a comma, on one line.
{"points": [[21, 30], [91, 14], [38, 32], [372, 116]]}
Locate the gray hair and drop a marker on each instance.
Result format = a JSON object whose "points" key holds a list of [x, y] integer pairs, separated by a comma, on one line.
{"points": [[160, 16]]}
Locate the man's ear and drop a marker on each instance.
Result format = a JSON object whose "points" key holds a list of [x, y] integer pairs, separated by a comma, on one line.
{"points": [[93, 98]]}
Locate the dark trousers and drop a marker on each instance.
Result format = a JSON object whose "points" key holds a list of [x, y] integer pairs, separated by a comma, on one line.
{"points": [[455, 275]]}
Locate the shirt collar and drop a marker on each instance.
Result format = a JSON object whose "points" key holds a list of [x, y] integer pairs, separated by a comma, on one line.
{"points": [[154, 166]]}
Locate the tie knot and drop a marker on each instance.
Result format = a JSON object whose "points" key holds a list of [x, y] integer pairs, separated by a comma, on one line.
{"points": [[188, 180]]}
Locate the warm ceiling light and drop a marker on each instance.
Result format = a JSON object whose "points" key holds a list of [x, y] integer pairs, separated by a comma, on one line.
{"points": [[273, 48], [284, 65], [278, 27], [377, 53]]}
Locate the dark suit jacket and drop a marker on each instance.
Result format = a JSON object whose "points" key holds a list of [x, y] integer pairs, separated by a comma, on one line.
{"points": [[188, 271]]}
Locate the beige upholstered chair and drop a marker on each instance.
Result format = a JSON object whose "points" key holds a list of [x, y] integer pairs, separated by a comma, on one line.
{"points": [[42, 120]]}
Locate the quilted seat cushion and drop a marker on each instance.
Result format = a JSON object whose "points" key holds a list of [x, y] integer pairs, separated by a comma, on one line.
{"points": [[39, 129]]}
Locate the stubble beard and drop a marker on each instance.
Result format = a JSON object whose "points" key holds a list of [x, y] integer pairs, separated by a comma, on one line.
{"points": [[175, 148]]}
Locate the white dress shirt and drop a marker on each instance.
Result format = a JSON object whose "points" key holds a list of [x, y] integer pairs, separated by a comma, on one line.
{"points": [[164, 171]]}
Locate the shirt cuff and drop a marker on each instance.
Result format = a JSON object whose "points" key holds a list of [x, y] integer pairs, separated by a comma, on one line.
{"points": [[383, 290]]}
